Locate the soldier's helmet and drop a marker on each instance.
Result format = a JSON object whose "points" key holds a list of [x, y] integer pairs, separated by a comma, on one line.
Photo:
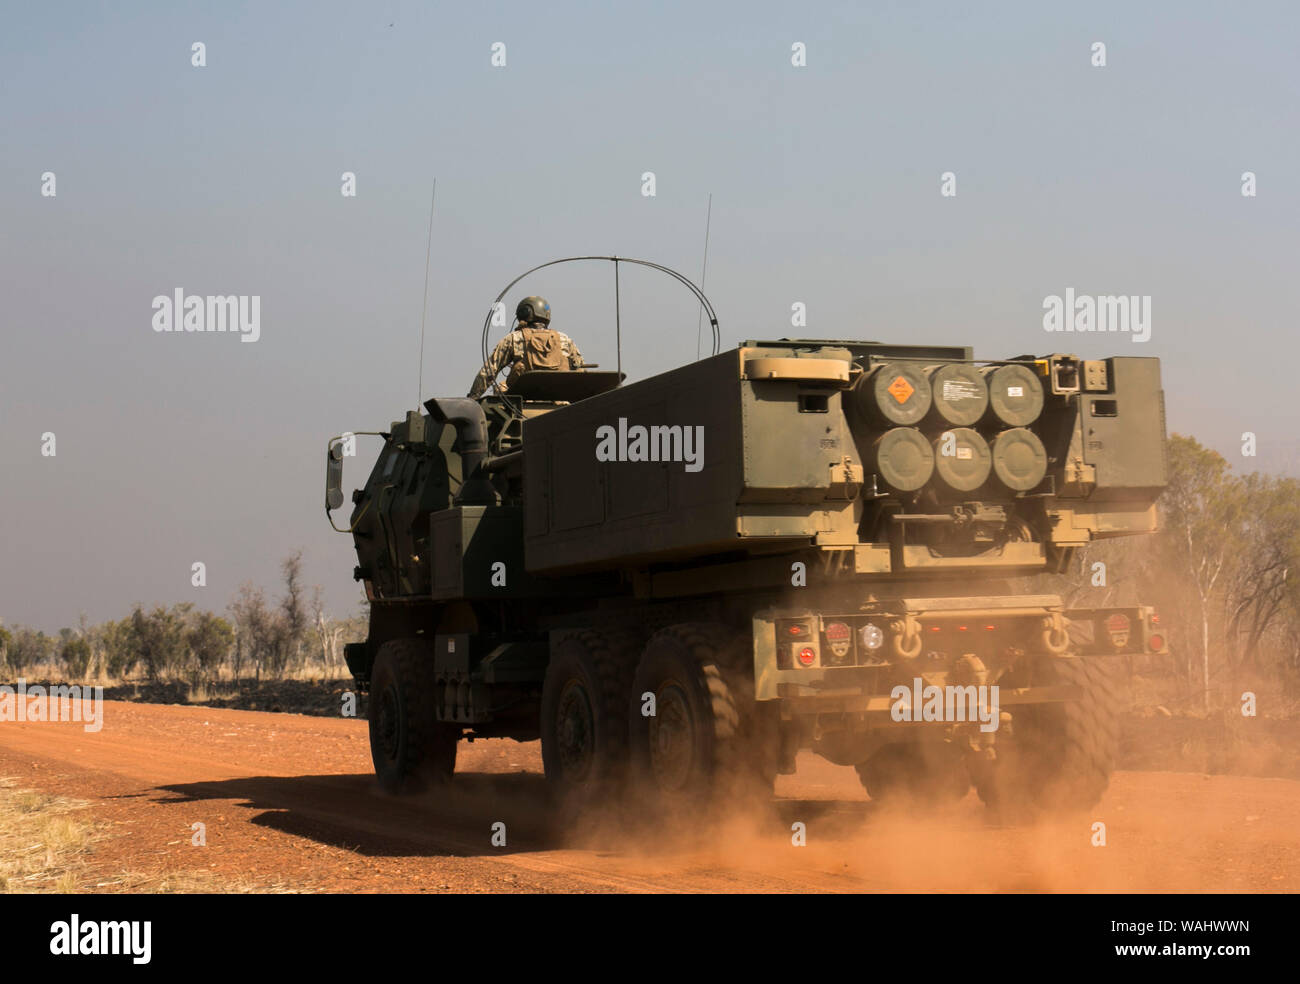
{"points": [[533, 310]]}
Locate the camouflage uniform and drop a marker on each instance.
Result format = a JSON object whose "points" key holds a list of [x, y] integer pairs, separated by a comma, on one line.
{"points": [[510, 353]]}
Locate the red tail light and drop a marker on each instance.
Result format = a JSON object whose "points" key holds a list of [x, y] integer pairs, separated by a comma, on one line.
{"points": [[807, 656], [1156, 643], [838, 632], [1117, 627]]}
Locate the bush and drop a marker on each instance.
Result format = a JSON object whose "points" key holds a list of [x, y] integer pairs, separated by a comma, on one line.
{"points": [[28, 648], [120, 654], [76, 657], [209, 642], [159, 638]]}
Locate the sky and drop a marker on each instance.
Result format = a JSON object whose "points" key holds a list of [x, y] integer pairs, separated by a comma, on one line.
{"points": [[826, 184]]}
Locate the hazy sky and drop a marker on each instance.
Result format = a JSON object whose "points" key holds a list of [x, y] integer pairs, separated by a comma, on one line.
{"points": [[225, 179]]}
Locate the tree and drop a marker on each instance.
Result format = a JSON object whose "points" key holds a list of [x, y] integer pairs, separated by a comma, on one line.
{"points": [[1268, 554], [294, 612], [328, 631], [1203, 509], [94, 636], [257, 630]]}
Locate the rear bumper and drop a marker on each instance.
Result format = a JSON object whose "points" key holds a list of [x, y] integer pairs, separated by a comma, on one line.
{"points": [[817, 662]]}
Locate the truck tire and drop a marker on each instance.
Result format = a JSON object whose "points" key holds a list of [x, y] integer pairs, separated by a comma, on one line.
{"points": [[925, 774], [705, 739], [409, 747], [1061, 755], [584, 712]]}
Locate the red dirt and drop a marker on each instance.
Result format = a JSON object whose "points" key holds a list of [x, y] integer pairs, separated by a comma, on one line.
{"points": [[290, 800]]}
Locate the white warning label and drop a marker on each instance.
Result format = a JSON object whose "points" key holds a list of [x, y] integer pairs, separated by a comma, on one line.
{"points": [[1015, 391], [958, 389]]}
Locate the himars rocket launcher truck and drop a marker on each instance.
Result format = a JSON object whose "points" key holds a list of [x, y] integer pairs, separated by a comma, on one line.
{"points": [[680, 582]]}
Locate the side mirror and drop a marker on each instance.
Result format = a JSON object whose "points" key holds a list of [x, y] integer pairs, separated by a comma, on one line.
{"points": [[334, 477]]}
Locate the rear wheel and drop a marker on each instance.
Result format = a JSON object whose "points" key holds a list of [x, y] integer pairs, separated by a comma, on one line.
{"points": [[1060, 755], [584, 716], [705, 738], [409, 747]]}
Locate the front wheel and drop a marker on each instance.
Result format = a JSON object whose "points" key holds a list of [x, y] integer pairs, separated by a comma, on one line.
{"points": [[409, 747]]}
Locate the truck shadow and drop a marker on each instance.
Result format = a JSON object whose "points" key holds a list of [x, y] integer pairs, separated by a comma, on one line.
{"points": [[351, 812]]}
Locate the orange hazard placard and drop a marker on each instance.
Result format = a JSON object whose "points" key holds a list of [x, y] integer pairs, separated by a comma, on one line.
{"points": [[900, 389]]}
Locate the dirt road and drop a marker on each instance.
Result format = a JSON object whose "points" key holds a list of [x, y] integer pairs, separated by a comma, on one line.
{"points": [[290, 801]]}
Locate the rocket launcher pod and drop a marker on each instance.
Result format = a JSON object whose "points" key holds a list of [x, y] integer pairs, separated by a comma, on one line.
{"points": [[1019, 459], [903, 459], [960, 395], [961, 459], [895, 393], [1015, 395]]}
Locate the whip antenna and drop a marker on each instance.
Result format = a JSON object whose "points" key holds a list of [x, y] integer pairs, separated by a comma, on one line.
{"points": [[425, 307], [699, 321]]}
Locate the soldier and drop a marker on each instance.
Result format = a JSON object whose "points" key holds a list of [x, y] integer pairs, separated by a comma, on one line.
{"points": [[533, 344]]}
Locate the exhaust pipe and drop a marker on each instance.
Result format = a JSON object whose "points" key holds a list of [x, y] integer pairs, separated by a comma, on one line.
{"points": [[472, 437]]}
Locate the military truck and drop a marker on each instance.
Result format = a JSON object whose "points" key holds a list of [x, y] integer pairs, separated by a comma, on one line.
{"points": [[680, 582]]}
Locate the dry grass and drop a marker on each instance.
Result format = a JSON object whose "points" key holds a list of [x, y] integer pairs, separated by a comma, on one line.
{"points": [[202, 693], [312, 671], [43, 848], [198, 882]]}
